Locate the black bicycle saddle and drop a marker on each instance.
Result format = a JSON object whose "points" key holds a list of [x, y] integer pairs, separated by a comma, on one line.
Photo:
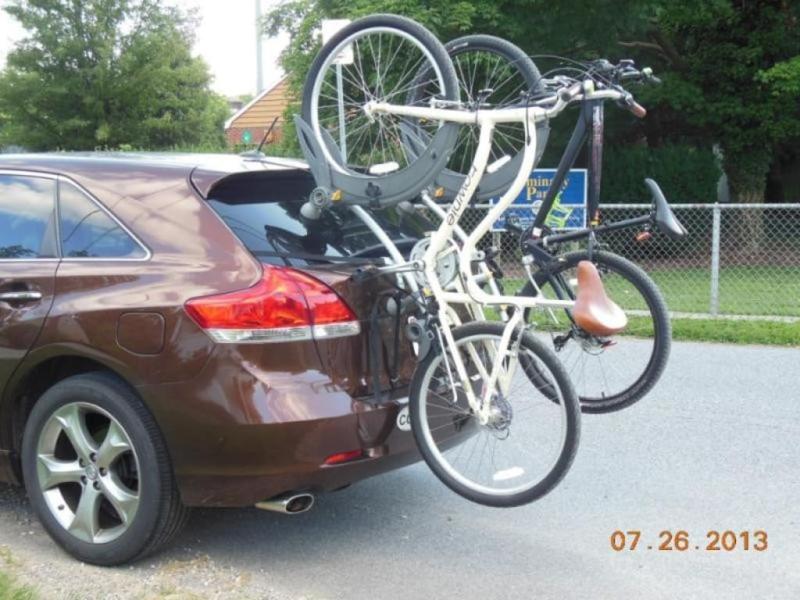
{"points": [[666, 221]]}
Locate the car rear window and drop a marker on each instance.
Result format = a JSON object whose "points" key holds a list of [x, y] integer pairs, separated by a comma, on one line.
{"points": [[263, 210]]}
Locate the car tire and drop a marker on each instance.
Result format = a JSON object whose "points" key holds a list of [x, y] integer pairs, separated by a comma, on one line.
{"points": [[97, 471]]}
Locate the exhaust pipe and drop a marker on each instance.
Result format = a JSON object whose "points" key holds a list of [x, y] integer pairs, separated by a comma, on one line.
{"points": [[292, 503]]}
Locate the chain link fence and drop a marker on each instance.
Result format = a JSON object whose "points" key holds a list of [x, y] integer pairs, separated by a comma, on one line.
{"points": [[738, 260]]}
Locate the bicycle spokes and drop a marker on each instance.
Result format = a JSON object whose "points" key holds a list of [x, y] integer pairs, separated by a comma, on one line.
{"points": [[523, 437], [375, 66]]}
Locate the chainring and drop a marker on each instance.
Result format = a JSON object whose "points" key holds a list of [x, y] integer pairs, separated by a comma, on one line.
{"points": [[446, 263]]}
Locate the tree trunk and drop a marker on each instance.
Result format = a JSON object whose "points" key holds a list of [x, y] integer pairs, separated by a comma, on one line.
{"points": [[743, 230], [747, 224]]}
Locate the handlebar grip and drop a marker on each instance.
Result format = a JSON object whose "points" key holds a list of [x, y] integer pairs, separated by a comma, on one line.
{"points": [[638, 110], [569, 94]]}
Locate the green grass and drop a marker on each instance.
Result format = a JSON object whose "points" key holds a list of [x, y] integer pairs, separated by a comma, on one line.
{"points": [[772, 291], [743, 290], [733, 331], [773, 333], [9, 590], [769, 290]]}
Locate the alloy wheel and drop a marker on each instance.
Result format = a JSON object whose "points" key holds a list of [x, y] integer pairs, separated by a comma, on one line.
{"points": [[88, 472]]}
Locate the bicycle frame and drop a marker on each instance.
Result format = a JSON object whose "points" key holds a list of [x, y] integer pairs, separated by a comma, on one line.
{"points": [[486, 276], [590, 121], [486, 120], [591, 117]]}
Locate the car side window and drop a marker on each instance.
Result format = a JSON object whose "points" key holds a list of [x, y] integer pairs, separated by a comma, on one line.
{"points": [[87, 231], [27, 217]]}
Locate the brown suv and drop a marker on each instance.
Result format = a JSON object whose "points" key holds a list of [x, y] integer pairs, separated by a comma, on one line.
{"points": [[174, 334]]}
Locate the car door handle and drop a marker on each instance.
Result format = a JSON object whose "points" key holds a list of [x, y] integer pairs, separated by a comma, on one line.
{"points": [[21, 296]]}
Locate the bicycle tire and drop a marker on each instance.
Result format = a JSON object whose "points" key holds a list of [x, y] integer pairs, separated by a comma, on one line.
{"points": [[387, 24], [662, 329], [432, 456], [492, 184]]}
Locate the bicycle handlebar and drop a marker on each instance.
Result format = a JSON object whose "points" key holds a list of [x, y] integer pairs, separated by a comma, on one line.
{"points": [[547, 107], [608, 78], [625, 70]]}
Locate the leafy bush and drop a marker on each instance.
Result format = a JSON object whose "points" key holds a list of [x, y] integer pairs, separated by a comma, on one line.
{"points": [[106, 73], [686, 174]]}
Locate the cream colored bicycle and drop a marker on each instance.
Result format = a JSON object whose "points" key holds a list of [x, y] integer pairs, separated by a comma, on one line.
{"points": [[496, 429]]}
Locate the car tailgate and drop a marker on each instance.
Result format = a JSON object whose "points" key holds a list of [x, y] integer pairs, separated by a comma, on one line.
{"points": [[349, 360]]}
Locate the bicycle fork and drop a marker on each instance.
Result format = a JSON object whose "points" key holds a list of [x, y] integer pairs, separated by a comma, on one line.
{"points": [[503, 358]]}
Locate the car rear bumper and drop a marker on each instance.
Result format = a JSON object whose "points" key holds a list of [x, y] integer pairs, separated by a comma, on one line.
{"points": [[238, 457]]}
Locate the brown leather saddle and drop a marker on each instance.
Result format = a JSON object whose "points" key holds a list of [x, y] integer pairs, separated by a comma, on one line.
{"points": [[594, 311]]}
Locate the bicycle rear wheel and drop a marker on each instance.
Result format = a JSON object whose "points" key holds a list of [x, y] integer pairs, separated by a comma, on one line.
{"points": [[376, 59], [608, 374], [492, 73], [529, 443]]}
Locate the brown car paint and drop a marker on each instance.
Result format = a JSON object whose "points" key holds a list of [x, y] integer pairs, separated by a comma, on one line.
{"points": [[243, 422], [21, 322]]}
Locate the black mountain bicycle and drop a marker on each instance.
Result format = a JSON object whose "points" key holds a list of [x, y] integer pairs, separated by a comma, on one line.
{"points": [[609, 375]]}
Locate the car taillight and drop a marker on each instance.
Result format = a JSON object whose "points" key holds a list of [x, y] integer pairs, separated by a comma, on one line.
{"points": [[285, 305]]}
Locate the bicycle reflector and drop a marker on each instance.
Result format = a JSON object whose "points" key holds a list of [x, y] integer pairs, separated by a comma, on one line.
{"points": [[284, 305], [343, 457]]}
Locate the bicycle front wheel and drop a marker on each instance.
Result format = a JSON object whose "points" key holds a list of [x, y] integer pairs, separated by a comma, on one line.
{"points": [[609, 374], [377, 59], [528, 443]]}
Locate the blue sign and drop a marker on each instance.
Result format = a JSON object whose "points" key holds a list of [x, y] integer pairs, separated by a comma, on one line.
{"points": [[569, 208]]}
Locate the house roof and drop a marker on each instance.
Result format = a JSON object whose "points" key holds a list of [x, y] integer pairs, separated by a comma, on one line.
{"points": [[253, 102]]}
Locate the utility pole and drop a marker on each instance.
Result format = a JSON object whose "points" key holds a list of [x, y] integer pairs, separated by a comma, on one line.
{"points": [[259, 63]]}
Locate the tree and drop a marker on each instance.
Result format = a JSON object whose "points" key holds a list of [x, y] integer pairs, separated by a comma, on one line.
{"points": [[731, 67], [734, 76], [107, 73], [301, 20], [732, 79]]}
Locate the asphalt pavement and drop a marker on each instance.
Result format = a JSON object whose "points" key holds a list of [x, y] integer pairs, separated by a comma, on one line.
{"points": [[716, 446]]}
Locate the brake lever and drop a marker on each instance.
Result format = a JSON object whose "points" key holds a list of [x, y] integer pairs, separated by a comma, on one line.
{"points": [[513, 225], [602, 65], [647, 74]]}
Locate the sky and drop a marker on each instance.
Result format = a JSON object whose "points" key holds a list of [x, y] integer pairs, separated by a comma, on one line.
{"points": [[225, 39]]}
